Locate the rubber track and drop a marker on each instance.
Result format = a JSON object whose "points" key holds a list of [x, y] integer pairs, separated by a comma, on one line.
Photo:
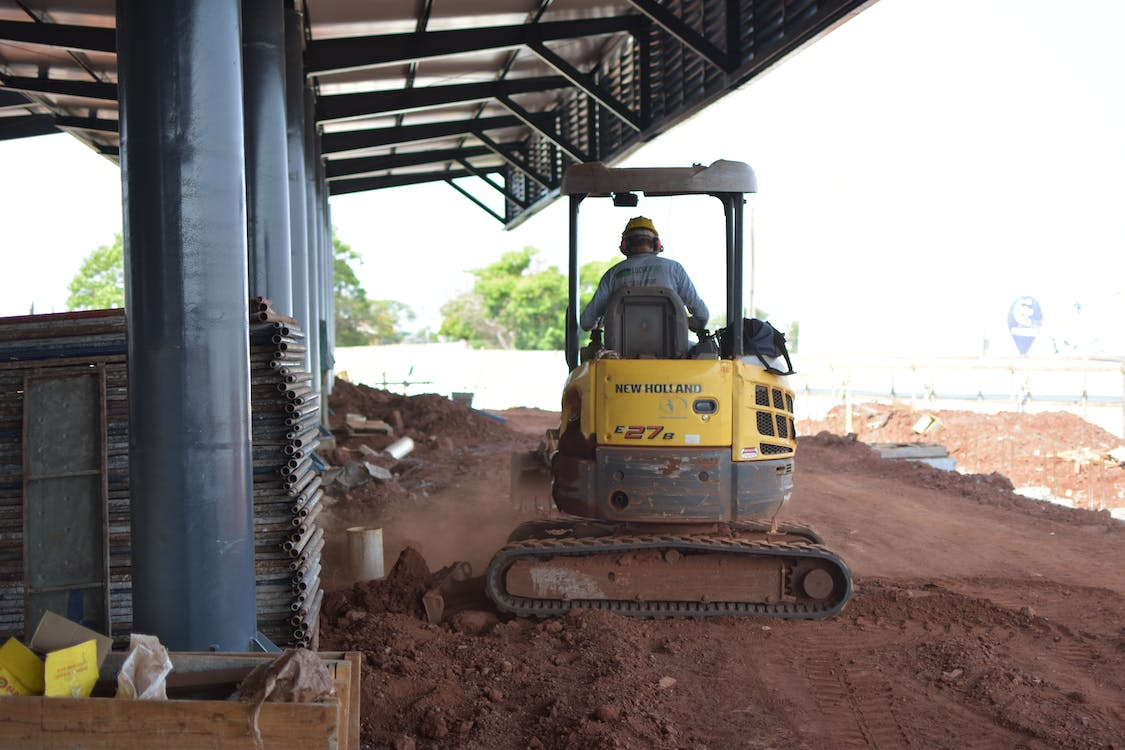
{"points": [[585, 546]]}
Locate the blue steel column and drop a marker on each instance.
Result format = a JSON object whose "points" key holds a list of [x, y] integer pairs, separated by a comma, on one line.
{"points": [[267, 175], [314, 248], [295, 139], [182, 162], [329, 279]]}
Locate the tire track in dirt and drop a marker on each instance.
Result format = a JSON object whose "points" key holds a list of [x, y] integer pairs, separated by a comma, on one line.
{"points": [[854, 698]]}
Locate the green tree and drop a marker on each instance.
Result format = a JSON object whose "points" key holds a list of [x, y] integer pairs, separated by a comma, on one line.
{"points": [[100, 281], [100, 284], [514, 306], [361, 321]]}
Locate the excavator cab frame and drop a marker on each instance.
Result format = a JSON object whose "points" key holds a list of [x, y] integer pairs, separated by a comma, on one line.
{"points": [[728, 181]]}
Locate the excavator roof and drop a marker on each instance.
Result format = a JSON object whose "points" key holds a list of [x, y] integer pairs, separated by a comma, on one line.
{"points": [[596, 179]]}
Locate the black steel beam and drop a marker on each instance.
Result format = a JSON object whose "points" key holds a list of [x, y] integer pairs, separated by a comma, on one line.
{"points": [[675, 26], [86, 89], [26, 127], [89, 123], [516, 161], [587, 84], [351, 140], [327, 55], [538, 121], [337, 168], [499, 188], [13, 99], [343, 106], [734, 31], [480, 204], [361, 184], [60, 35]]}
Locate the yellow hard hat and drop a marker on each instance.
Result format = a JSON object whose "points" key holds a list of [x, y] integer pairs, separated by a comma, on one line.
{"points": [[638, 224]]}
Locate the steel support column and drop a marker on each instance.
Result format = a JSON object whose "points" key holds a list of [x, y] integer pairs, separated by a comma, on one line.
{"points": [[182, 162], [328, 364], [295, 139], [732, 214], [314, 250], [573, 331], [267, 191]]}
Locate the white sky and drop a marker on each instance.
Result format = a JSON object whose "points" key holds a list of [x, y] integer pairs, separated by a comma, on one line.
{"points": [[919, 168]]}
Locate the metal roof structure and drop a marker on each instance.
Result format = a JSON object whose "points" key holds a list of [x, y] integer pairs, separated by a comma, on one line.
{"points": [[511, 92]]}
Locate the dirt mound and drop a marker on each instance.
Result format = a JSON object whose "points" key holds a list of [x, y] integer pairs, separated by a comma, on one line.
{"points": [[1056, 451], [426, 416], [846, 454], [399, 592]]}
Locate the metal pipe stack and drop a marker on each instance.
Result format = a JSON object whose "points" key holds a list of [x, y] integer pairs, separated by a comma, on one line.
{"points": [[287, 486], [285, 416]]}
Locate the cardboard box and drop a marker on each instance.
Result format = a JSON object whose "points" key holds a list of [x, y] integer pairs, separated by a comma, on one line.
{"points": [[55, 632], [74, 655]]}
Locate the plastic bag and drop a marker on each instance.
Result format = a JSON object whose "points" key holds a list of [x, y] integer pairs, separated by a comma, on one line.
{"points": [[145, 670]]}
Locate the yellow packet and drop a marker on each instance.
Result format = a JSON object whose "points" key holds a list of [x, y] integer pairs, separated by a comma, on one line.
{"points": [[72, 672], [21, 671]]}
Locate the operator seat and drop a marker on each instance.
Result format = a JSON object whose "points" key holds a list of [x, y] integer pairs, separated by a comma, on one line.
{"points": [[644, 322]]}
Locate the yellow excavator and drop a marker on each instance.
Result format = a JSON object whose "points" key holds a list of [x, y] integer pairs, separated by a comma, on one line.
{"points": [[672, 460]]}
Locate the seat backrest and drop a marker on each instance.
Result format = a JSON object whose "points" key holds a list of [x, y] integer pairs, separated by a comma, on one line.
{"points": [[646, 321]]}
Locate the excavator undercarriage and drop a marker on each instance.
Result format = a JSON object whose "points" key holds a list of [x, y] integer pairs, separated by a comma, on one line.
{"points": [[744, 568]]}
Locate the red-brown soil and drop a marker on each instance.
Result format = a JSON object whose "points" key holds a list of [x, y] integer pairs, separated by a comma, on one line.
{"points": [[981, 619], [1056, 451]]}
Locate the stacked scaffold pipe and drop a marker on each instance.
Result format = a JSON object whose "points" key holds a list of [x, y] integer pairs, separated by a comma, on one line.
{"points": [[287, 486], [286, 489]]}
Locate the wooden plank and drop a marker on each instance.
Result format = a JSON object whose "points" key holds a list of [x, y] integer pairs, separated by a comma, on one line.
{"points": [[342, 682], [355, 658], [355, 695], [109, 724]]}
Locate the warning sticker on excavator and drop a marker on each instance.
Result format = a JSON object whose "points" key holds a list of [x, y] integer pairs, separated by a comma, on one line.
{"points": [[749, 452]]}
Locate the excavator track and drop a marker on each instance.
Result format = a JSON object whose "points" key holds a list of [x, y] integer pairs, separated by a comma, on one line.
{"points": [[581, 568]]}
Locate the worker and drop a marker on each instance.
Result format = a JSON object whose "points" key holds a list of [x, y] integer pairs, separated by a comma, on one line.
{"points": [[642, 267]]}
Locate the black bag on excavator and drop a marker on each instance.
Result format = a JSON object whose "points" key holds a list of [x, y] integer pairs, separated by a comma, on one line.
{"points": [[761, 340]]}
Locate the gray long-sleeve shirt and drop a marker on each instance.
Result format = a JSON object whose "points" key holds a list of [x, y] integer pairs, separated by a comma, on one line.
{"points": [[645, 269]]}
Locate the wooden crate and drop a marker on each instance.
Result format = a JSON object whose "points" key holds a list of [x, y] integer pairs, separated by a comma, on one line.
{"points": [[109, 724]]}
